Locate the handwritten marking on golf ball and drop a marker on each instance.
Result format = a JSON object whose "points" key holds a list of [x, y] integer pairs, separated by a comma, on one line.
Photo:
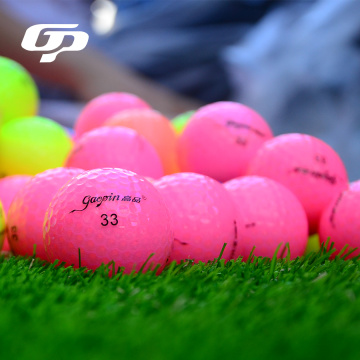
{"points": [[88, 199], [317, 174], [181, 242], [114, 221], [250, 225], [321, 159], [13, 232], [334, 209], [237, 125], [232, 254]]}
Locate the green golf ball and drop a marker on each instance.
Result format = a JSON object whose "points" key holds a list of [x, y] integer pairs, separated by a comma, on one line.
{"points": [[179, 122], [313, 244], [18, 93], [2, 225], [31, 145]]}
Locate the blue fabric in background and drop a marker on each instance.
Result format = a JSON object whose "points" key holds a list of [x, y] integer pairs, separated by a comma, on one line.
{"points": [[179, 43]]}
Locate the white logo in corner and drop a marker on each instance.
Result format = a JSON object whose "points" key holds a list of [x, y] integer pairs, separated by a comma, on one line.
{"points": [[56, 38]]}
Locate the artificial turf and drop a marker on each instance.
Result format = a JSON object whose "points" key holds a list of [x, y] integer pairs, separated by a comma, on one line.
{"points": [[308, 308]]}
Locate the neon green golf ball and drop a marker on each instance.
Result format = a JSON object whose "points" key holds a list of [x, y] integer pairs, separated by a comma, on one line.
{"points": [[313, 244], [18, 93], [32, 145], [2, 226], [179, 122]]}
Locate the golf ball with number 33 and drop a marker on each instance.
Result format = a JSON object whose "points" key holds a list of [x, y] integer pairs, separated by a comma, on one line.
{"points": [[109, 214]]}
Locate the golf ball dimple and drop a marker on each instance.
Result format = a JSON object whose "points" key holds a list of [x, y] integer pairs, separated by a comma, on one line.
{"points": [[307, 166], [155, 128], [118, 147], [203, 216], [221, 139], [31, 145], [110, 215], [101, 108], [28, 208], [267, 215], [18, 92], [340, 221], [9, 186]]}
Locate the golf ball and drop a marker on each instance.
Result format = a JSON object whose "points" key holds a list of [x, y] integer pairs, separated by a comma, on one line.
{"points": [[27, 211], [267, 215], [203, 216], [18, 93], [2, 225], [32, 145], [155, 128], [355, 185], [98, 110], [313, 244], [221, 139], [340, 222], [110, 215], [118, 147], [9, 186], [179, 122], [310, 168]]}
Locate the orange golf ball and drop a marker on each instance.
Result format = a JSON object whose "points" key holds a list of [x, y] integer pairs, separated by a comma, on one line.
{"points": [[156, 128]]}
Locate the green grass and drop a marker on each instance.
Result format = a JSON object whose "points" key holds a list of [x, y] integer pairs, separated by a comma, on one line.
{"points": [[308, 308]]}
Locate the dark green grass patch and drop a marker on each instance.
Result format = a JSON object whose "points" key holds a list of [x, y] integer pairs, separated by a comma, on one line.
{"points": [[308, 308]]}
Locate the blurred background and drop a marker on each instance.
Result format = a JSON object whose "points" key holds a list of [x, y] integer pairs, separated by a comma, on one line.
{"points": [[295, 62]]}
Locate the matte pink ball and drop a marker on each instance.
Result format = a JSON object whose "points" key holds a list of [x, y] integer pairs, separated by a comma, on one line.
{"points": [[203, 216], [340, 222], [110, 215], [27, 211], [307, 166], [9, 186], [355, 185], [221, 139], [101, 108], [267, 215], [118, 147]]}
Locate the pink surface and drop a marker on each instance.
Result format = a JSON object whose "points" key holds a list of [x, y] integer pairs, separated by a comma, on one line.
{"points": [[9, 186], [118, 147], [98, 110], [27, 211], [203, 216], [355, 185], [310, 168], [340, 221], [267, 214], [110, 214], [221, 139]]}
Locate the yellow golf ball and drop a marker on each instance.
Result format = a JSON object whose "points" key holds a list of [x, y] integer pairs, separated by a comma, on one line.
{"points": [[18, 92], [32, 145], [313, 244], [179, 122]]}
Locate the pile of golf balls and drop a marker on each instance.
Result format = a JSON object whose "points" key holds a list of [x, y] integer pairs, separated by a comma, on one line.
{"points": [[138, 191]]}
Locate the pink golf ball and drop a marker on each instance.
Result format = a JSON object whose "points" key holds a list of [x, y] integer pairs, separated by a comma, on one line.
{"points": [[110, 215], [9, 186], [203, 216], [221, 139], [310, 168], [267, 215], [118, 147], [355, 185], [101, 108], [27, 211], [340, 221]]}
